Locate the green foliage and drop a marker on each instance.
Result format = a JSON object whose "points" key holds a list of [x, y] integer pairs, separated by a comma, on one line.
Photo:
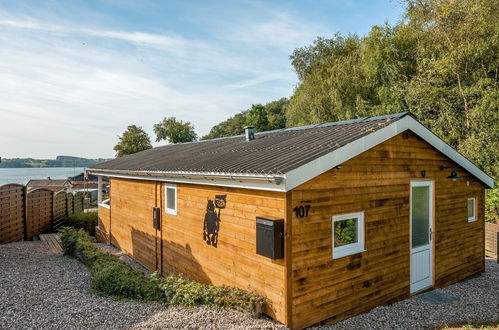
{"points": [[133, 140], [257, 117], [441, 62], [82, 220], [180, 291], [174, 131], [345, 232], [492, 205], [230, 127], [113, 277], [262, 117]]}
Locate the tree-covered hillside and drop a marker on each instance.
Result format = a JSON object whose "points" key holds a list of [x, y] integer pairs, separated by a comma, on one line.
{"points": [[60, 161]]}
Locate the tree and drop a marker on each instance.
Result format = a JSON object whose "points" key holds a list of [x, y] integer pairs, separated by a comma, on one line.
{"points": [[174, 131], [263, 117], [230, 127], [276, 113], [133, 140], [257, 117]]}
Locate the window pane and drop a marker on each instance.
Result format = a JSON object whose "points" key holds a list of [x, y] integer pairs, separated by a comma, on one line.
{"points": [[170, 198], [471, 208], [345, 232], [420, 216]]}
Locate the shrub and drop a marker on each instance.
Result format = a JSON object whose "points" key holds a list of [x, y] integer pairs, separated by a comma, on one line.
{"points": [[113, 277], [81, 220], [492, 205]]}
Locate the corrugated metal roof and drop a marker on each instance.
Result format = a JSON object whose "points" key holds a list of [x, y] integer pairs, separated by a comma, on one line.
{"points": [[270, 153]]}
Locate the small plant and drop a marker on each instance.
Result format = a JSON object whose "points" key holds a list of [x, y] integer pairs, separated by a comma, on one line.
{"points": [[113, 277], [81, 220]]}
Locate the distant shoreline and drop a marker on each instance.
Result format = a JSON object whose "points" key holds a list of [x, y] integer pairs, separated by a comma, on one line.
{"points": [[58, 162]]}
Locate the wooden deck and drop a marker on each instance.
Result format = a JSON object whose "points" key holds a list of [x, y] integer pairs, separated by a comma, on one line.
{"points": [[52, 241]]}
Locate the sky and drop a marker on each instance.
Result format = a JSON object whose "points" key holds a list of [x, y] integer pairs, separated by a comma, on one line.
{"points": [[74, 74]]}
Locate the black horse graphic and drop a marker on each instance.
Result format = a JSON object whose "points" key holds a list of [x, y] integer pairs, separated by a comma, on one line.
{"points": [[212, 219]]}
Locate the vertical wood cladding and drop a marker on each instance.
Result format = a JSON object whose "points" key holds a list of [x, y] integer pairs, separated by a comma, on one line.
{"points": [[377, 182]]}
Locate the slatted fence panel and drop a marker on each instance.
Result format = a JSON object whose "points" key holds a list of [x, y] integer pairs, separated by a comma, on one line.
{"points": [[11, 213], [78, 202], [39, 205], [60, 210], [492, 240], [70, 203]]}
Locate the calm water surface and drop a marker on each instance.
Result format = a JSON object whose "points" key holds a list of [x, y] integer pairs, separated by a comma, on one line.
{"points": [[23, 175]]}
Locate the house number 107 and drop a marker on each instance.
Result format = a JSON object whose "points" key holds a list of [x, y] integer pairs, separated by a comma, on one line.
{"points": [[302, 211]]}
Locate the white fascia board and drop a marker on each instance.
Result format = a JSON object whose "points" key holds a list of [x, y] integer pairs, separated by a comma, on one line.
{"points": [[308, 171], [222, 183]]}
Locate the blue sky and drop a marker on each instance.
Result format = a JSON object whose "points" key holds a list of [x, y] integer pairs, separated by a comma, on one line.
{"points": [[74, 74]]}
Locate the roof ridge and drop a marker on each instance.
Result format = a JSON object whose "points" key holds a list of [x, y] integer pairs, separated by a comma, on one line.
{"points": [[330, 124]]}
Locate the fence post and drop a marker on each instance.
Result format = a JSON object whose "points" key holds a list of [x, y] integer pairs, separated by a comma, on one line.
{"points": [[497, 241], [25, 211]]}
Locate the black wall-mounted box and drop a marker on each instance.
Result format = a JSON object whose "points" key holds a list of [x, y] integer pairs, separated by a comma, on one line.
{"points": [[156, 218], [270, 238]]}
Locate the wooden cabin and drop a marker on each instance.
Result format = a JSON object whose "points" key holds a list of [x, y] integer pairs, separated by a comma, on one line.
{"points": [[325, 221]]}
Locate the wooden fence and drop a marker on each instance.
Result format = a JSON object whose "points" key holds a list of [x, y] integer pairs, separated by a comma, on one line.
{"points": [[24, 215], [492, 240], [12, 212]]}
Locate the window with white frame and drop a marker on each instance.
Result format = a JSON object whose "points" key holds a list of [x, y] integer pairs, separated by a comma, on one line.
{"points": [[348, 234], [471, 209], [171, 199]]}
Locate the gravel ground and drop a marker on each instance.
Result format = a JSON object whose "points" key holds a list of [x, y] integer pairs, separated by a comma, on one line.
{"points": [[40, 289], [478, 302]]}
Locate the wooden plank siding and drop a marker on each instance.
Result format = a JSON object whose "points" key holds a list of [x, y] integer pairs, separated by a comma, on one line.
{"points": [[130, 226], [307, 286], [378, 183], [179, 246]]}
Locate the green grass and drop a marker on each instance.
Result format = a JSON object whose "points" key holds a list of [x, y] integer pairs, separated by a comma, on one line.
{"points": [[481, 325], [113, 277], [82, 220]]}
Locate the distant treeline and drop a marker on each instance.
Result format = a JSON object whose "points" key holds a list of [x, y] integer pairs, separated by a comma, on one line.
{"points": [[59, 161]]}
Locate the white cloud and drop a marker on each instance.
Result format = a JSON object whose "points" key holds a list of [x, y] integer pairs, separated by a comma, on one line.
{"points": [[67, 89]]}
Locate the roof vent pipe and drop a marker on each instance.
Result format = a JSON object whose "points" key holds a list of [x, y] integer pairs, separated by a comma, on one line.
{"points": [[250, 135]]}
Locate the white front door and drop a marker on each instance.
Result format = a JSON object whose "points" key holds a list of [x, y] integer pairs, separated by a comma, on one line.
{"points": [[421, 230]]}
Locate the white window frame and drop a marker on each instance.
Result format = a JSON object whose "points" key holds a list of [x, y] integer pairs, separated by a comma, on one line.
{"points": [[168, 210], [354, 248], [472, 218]]}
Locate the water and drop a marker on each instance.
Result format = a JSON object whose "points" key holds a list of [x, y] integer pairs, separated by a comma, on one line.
{"points": [[23, 175]]}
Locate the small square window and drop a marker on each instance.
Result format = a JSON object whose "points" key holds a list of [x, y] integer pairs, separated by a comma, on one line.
{"points": [[171, 199], [471, 209], [348, 234]]}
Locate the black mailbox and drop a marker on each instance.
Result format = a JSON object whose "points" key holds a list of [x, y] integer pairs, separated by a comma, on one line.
{"points": [[270, 238], [156, 218]]}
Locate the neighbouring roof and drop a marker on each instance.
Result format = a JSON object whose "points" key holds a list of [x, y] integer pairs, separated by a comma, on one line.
{"points": [[48, 183], [81, 177], [291, 155]]}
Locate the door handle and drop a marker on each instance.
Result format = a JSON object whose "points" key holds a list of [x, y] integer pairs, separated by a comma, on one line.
{"points": [[431, 233]]}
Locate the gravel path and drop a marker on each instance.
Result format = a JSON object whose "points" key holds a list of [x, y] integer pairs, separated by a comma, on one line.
{"points": [[478, 302], [40, 289]]}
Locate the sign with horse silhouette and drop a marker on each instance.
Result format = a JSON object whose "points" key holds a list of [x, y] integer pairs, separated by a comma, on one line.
{"points": [[211, 225]]}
